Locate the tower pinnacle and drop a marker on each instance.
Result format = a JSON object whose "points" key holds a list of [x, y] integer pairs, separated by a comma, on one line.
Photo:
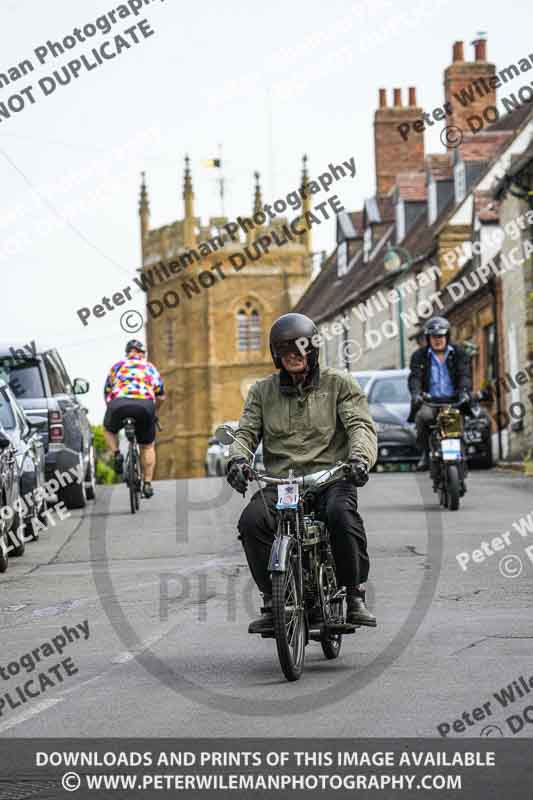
{"points": [[144, 211], [188, 202]]}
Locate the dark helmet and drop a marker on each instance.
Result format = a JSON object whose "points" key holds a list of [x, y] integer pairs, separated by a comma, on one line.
{"points": [[437, 326], [135, 344], [288, 330]]}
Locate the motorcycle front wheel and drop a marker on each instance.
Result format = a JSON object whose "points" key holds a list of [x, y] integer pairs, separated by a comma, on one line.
{"points": [[289, 617], [453, 487]]}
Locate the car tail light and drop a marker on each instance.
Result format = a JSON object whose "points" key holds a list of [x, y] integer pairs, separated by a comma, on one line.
{"points": [[55, 426]]}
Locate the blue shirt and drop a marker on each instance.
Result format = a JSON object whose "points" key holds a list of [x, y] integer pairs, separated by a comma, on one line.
{"points": [[440, 383]]}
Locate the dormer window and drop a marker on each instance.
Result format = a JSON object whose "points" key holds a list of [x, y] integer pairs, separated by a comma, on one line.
{"points": [[342, 259], [459, 178], [432, 201], [367, 243], [400, 221]]}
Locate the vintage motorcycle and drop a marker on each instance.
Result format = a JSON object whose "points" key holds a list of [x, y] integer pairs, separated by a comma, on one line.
{"points": [[448, 464], [307, 604]]}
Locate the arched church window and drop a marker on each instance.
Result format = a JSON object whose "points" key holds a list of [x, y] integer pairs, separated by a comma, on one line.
{"points": [[248, 328]]}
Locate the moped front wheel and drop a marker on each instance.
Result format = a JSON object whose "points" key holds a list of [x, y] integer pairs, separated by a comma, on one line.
{"points": [[453, 487], [289, 617]]}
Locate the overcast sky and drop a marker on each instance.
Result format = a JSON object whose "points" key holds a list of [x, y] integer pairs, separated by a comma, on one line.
{"points": [[269, 83]]}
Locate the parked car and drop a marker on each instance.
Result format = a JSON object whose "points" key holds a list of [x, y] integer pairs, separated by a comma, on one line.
{"points": [[11, 525], [389, 403], [478, 438], [50, 399], [30, 456]]}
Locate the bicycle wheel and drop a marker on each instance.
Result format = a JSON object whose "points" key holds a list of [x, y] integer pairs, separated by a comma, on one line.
{"points": [[137, 479], [132, 479], [289, 619], [332, 611]]}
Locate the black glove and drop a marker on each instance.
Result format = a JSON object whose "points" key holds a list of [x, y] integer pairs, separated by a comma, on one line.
{"points": [[239, 473], [418, 400], [359, 471]]}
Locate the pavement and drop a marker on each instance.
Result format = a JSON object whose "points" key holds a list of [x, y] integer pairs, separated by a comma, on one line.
{"points": [[167, 597]]}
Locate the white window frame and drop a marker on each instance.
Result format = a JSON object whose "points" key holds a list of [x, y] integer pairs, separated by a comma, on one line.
{"points": [[459, 181], [367, 243], [432, 201], [400, 221], [342, 259]]}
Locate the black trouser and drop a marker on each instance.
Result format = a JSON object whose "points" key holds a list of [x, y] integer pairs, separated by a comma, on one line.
{"points": [[336, 506], [425, 416]]}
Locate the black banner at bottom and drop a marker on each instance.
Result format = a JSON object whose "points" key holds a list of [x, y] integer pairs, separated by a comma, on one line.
{"points": [[266, 768]]}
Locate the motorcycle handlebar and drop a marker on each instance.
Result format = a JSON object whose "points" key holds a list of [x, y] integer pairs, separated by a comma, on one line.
{"points": [[441, 404], [301, 478]]}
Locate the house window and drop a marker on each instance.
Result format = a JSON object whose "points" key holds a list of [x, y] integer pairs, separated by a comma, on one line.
{"points": [[400, 221], [248, 328], [432, 201], [459, 177], [342, 259]]}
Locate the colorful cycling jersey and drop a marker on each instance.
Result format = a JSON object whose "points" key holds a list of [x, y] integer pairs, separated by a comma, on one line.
{"points": [[133, 377]]}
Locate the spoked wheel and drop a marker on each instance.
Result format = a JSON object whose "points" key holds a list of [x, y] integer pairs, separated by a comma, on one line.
{"points": [[289, 618], [453, 487], [332, 611]]}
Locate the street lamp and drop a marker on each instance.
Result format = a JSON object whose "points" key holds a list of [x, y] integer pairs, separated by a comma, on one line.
{"points": [[394, 266]]}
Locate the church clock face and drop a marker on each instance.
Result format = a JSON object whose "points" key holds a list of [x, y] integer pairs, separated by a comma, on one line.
{"points": [[245, 385]]}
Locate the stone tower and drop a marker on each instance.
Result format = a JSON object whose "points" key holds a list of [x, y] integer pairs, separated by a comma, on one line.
{"points": [[208, 316]]}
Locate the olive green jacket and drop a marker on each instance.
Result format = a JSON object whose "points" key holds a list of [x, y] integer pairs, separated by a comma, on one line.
{"points": [[306, 428]]}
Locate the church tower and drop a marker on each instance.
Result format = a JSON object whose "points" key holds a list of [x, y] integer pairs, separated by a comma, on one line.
{"points": [[208, 314]]}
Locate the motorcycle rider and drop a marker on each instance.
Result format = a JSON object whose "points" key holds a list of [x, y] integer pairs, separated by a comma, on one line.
{"points": [[442, 370], [308, 418], [134, 388]]}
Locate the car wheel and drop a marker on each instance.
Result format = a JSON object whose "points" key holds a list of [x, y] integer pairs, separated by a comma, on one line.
{"points": [[73, 495], [90, 477]]}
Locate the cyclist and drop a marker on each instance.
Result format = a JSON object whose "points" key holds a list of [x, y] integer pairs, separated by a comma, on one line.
{"points": [[309, 418], [134, 388]]}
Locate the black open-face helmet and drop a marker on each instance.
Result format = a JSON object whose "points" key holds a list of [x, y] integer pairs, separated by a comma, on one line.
{"points": [[294, 331], [135, 344], [437, 326]]}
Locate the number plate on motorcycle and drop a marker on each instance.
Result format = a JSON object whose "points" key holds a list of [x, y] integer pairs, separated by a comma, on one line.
{"points": [[451, 449], [287, 495]]}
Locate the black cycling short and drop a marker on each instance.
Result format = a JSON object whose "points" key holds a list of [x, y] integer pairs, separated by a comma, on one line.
{"points": [[142, 411]]}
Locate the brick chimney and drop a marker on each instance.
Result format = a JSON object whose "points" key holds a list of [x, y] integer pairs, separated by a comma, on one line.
{"points": [[468, 81], [392, 154]]}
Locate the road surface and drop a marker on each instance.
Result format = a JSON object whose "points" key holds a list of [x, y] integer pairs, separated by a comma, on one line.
{"points": [[167, 597]]}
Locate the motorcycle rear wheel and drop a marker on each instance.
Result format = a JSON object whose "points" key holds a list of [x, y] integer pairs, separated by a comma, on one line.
{"points": [[289, 618]]}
